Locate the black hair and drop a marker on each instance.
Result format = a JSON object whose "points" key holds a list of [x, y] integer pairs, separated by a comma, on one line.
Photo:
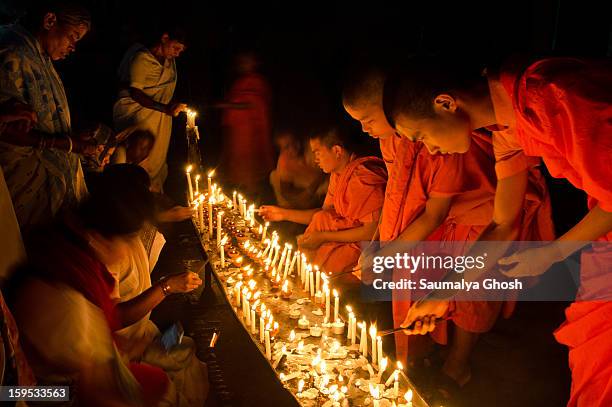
{"points": [[119, 201], [362, 84], [67, 13], [140, 134], [333, 133], [411, 88], [175, 31]]}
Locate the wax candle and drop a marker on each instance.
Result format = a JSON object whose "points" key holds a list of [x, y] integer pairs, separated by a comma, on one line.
{"points": [[253, 322], [312, 288], [222, 249], [188, 175], [380, 349], [396, 379], [268, 348], [349, 330], [373, 337], [307, 281], [261, 328], [293, 261], [354, 333], [235, 204], [243, 208], [318, 278], [210, 218], [263, 235], [336, 305], [382, 366], [282, 259], [211, 173], [219, 228], [327, 302], [363, 340], [287, 261], [408, 398]]}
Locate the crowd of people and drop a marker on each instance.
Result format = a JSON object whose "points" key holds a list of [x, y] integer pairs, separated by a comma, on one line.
{"points": [[462, 151]]}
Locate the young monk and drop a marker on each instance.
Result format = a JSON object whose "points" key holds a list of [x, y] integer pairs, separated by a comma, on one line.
{"points": [[438, 197], [559, 109], [351, 209]]}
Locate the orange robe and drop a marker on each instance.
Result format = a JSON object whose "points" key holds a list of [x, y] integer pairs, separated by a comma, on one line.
{"points": [[560, 109], [248, 153], [469, 178], [354, 197]]}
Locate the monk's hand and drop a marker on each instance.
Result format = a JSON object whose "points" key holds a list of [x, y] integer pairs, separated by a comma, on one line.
{"points": [[422, 315], [365, 264], [271, 213], [311, 240], [175, 214], [174, 108], [184, 282], [530, 262]]}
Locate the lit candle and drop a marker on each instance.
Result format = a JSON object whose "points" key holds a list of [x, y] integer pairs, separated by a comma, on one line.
{"points": [[210, 218], [293, 261], [336, 305], [268, 348], [243, 208], [261, 328], [363, 340], [307, 281], [349, 330], [354, 333], [188, 175], [318, 279], [222, 249], [219, 228], [211, 173], [287, 261], [382, 366], [312, 288], [327, 302], [234, 200], [373, 336], [380, 349], [253, 322], [263, 235], [300, 387], [282, 259], [197, 184], [408, 398], [396, 382]]}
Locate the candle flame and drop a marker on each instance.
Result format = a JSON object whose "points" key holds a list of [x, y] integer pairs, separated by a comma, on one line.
{"points": [[335, 292], [189, 168], [383, 364], [197, 177], [399, 365], [300, 385], [374, 391], [408, 396], [211, 173], [285, 286], [373, 331], [349, 309], [292, 336], [300, 346]]}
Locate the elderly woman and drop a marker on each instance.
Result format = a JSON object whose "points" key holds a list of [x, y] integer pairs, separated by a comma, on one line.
{"points": [[147, 76], [42, 172]]}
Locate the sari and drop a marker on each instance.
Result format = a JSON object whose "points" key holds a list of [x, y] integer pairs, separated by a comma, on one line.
{"points": [[40, 182]]}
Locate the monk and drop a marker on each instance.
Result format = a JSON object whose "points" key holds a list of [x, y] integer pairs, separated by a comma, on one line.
{"points": [[438, 197], [559, 109], [351, 209]]}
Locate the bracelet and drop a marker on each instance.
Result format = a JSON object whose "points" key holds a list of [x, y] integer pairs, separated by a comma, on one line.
{"points": [[165, 287], [70, 145]]}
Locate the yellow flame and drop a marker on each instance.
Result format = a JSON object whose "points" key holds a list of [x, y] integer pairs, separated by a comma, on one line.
{"points": [[189, 168]]}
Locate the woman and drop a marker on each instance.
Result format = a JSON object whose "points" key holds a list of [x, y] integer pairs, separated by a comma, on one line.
{"points": [[41, 172], [63, 298], [148, 77]]}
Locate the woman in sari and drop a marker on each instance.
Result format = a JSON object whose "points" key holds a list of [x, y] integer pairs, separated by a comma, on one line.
{"points": [[41, 172], [147, 76], [63, 299]]}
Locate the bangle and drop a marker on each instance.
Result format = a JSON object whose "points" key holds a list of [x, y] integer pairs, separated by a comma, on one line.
{"points": [[165, 287], [70, 145]]}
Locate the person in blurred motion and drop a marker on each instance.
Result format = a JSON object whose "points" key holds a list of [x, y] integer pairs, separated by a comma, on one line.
{"points": [[41, 171], [135, 148], [298, 182], [147, 76], [351, 209], [248, 153]]}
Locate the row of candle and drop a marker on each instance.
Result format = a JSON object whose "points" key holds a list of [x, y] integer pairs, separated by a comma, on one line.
{"points": [[312, 280]]}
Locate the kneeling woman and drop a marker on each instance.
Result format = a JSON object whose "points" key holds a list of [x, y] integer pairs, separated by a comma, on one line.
{"points": [[63, 304]]}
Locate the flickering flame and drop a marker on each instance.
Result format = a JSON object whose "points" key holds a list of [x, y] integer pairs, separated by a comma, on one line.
{"points": [[211, 173], [349, 309], [399, 365], [373, 331], [292, 336], [300, 385], [374, 392], [408, 396], [197, 177], [189, 168], [383, 365]]}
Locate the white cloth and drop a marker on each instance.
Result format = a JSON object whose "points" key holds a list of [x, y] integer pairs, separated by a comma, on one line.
{"points": [[141, 70]]}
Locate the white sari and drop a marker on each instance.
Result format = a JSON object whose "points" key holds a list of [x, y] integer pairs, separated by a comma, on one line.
{"points": [[141, 70]]}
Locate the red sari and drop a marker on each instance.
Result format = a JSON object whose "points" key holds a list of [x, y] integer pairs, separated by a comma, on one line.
{"points": [[560, 109], [248, 155], [354, 197]]}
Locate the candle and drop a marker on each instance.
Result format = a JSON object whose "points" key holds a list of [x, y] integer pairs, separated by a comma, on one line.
{"points": [[188, 175], [234, 200], [318, 278], [219, 228], [311, 283], [354, 332], [380, 349], [327, 300], [268, 348], [222, 249], [363, 340], [287, 260], [261, 328], [243, 208], [263, 235], [282, 259], [349, 330], [210, 217], [382, 366], [191, 115], [211, 173], [396, 380], [373, 336], [307, 281], [253, 322], [293, 261], [300, 387], [336, 305]]}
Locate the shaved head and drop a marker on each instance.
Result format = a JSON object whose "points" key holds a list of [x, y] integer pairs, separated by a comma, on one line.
{"points": [[364, 87]]}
